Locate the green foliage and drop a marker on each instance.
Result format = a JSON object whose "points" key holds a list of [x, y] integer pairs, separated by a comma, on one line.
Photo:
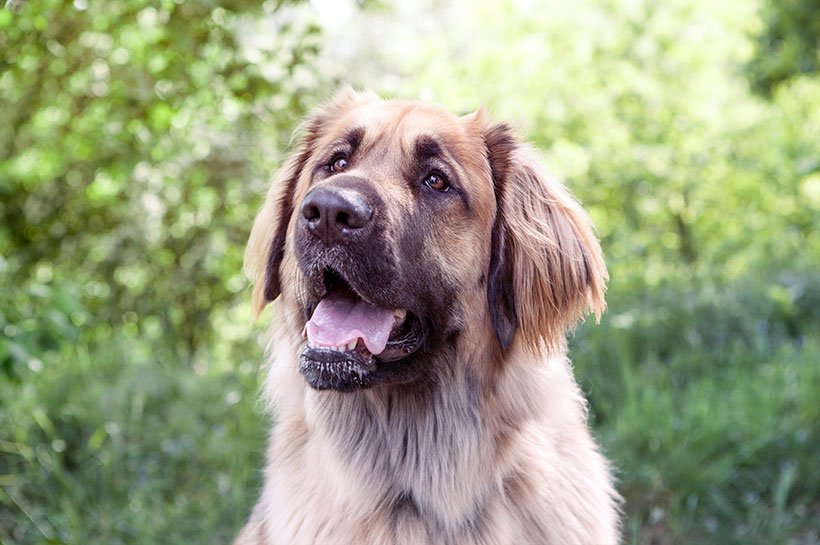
{"points": [[36, 319], [136, 140], [705, 396], [788, 45], [103, 447], [644, 110]]}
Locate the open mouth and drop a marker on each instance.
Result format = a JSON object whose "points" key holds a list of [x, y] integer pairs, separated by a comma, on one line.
{"points": [[348, 337]]}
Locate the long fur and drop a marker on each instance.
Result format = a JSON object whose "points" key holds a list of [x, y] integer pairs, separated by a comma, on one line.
{"points": [[494, 447]]}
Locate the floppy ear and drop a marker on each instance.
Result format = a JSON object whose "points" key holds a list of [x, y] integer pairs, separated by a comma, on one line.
{"points": [[266, 245], [546, 265]]}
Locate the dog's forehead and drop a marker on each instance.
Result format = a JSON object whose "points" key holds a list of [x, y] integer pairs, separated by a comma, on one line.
{"points": [[392, 132], [399, 124]]}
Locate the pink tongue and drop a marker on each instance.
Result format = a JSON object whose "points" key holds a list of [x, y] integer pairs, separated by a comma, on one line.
{"points": [[338, 321]]}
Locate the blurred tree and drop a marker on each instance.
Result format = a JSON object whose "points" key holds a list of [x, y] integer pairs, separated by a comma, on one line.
{"points": [[135, 141], [788, 45]]}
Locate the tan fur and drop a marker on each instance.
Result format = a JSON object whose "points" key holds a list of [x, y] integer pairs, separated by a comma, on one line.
{"points": [[544, 219], [495, 449]]}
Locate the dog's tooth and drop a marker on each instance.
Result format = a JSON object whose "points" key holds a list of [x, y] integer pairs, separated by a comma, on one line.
{"points": [[352, 344]]}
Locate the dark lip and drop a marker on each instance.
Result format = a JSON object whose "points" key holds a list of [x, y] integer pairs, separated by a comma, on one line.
{"points": [[326, 369], [323, 278], [330, 370], [333, 280]]}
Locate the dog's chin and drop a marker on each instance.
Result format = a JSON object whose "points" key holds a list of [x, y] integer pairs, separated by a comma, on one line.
{"points": [[326, 368]]}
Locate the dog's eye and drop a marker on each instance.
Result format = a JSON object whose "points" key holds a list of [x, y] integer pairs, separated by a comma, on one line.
{"points": [[338, 163], [437, 181]]}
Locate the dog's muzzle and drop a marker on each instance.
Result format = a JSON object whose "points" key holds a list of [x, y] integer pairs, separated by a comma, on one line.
{"points": [[336, 211], [352, 333]]}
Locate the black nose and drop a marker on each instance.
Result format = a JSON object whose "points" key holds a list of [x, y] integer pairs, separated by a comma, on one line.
{"points": [[333, 212]]}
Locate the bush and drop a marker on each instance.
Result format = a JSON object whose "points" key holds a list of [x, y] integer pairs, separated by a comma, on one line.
{"points": [[705, 397], [116, 443]]}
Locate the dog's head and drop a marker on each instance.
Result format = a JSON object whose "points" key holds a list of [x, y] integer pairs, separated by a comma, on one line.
{"points": [[397, 230]]}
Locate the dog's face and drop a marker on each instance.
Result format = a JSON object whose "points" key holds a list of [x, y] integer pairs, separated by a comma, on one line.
{"points": [[390, 197], [397, 229]]}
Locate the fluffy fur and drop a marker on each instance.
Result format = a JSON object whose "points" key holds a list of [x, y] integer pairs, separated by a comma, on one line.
{"points": [[488, 442]]}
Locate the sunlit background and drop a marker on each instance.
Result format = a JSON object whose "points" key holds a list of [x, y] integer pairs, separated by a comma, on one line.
{"points": [[136, 141]]}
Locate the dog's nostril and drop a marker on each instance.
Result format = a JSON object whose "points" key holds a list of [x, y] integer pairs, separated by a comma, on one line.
{"points": [[343, 219], [332, 213], [356, 218], [311, 213]]}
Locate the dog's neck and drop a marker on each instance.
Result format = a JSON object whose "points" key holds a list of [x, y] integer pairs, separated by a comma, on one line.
{"points": [[423, 448], [426, 444]]}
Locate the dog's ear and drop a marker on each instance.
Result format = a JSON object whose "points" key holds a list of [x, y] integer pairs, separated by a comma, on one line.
{"points": [[546, 265], [266, 245]]}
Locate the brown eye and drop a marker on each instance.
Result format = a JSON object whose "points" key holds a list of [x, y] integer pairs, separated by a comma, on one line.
{"points": [[436, 181], [338, 164]]}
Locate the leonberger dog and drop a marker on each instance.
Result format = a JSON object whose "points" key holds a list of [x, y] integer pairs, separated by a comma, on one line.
{"points": [[426, 270]]}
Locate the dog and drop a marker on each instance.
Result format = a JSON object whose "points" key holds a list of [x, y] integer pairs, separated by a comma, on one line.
{"points": [[426, 270]]}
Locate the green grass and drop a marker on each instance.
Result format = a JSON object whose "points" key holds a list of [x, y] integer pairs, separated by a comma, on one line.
{"points": [[115, 447], [705, 397], [707, 401], [725, 459]]}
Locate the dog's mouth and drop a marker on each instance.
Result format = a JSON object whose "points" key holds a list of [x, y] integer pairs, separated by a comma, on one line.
{"points": [[349, 337]]}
